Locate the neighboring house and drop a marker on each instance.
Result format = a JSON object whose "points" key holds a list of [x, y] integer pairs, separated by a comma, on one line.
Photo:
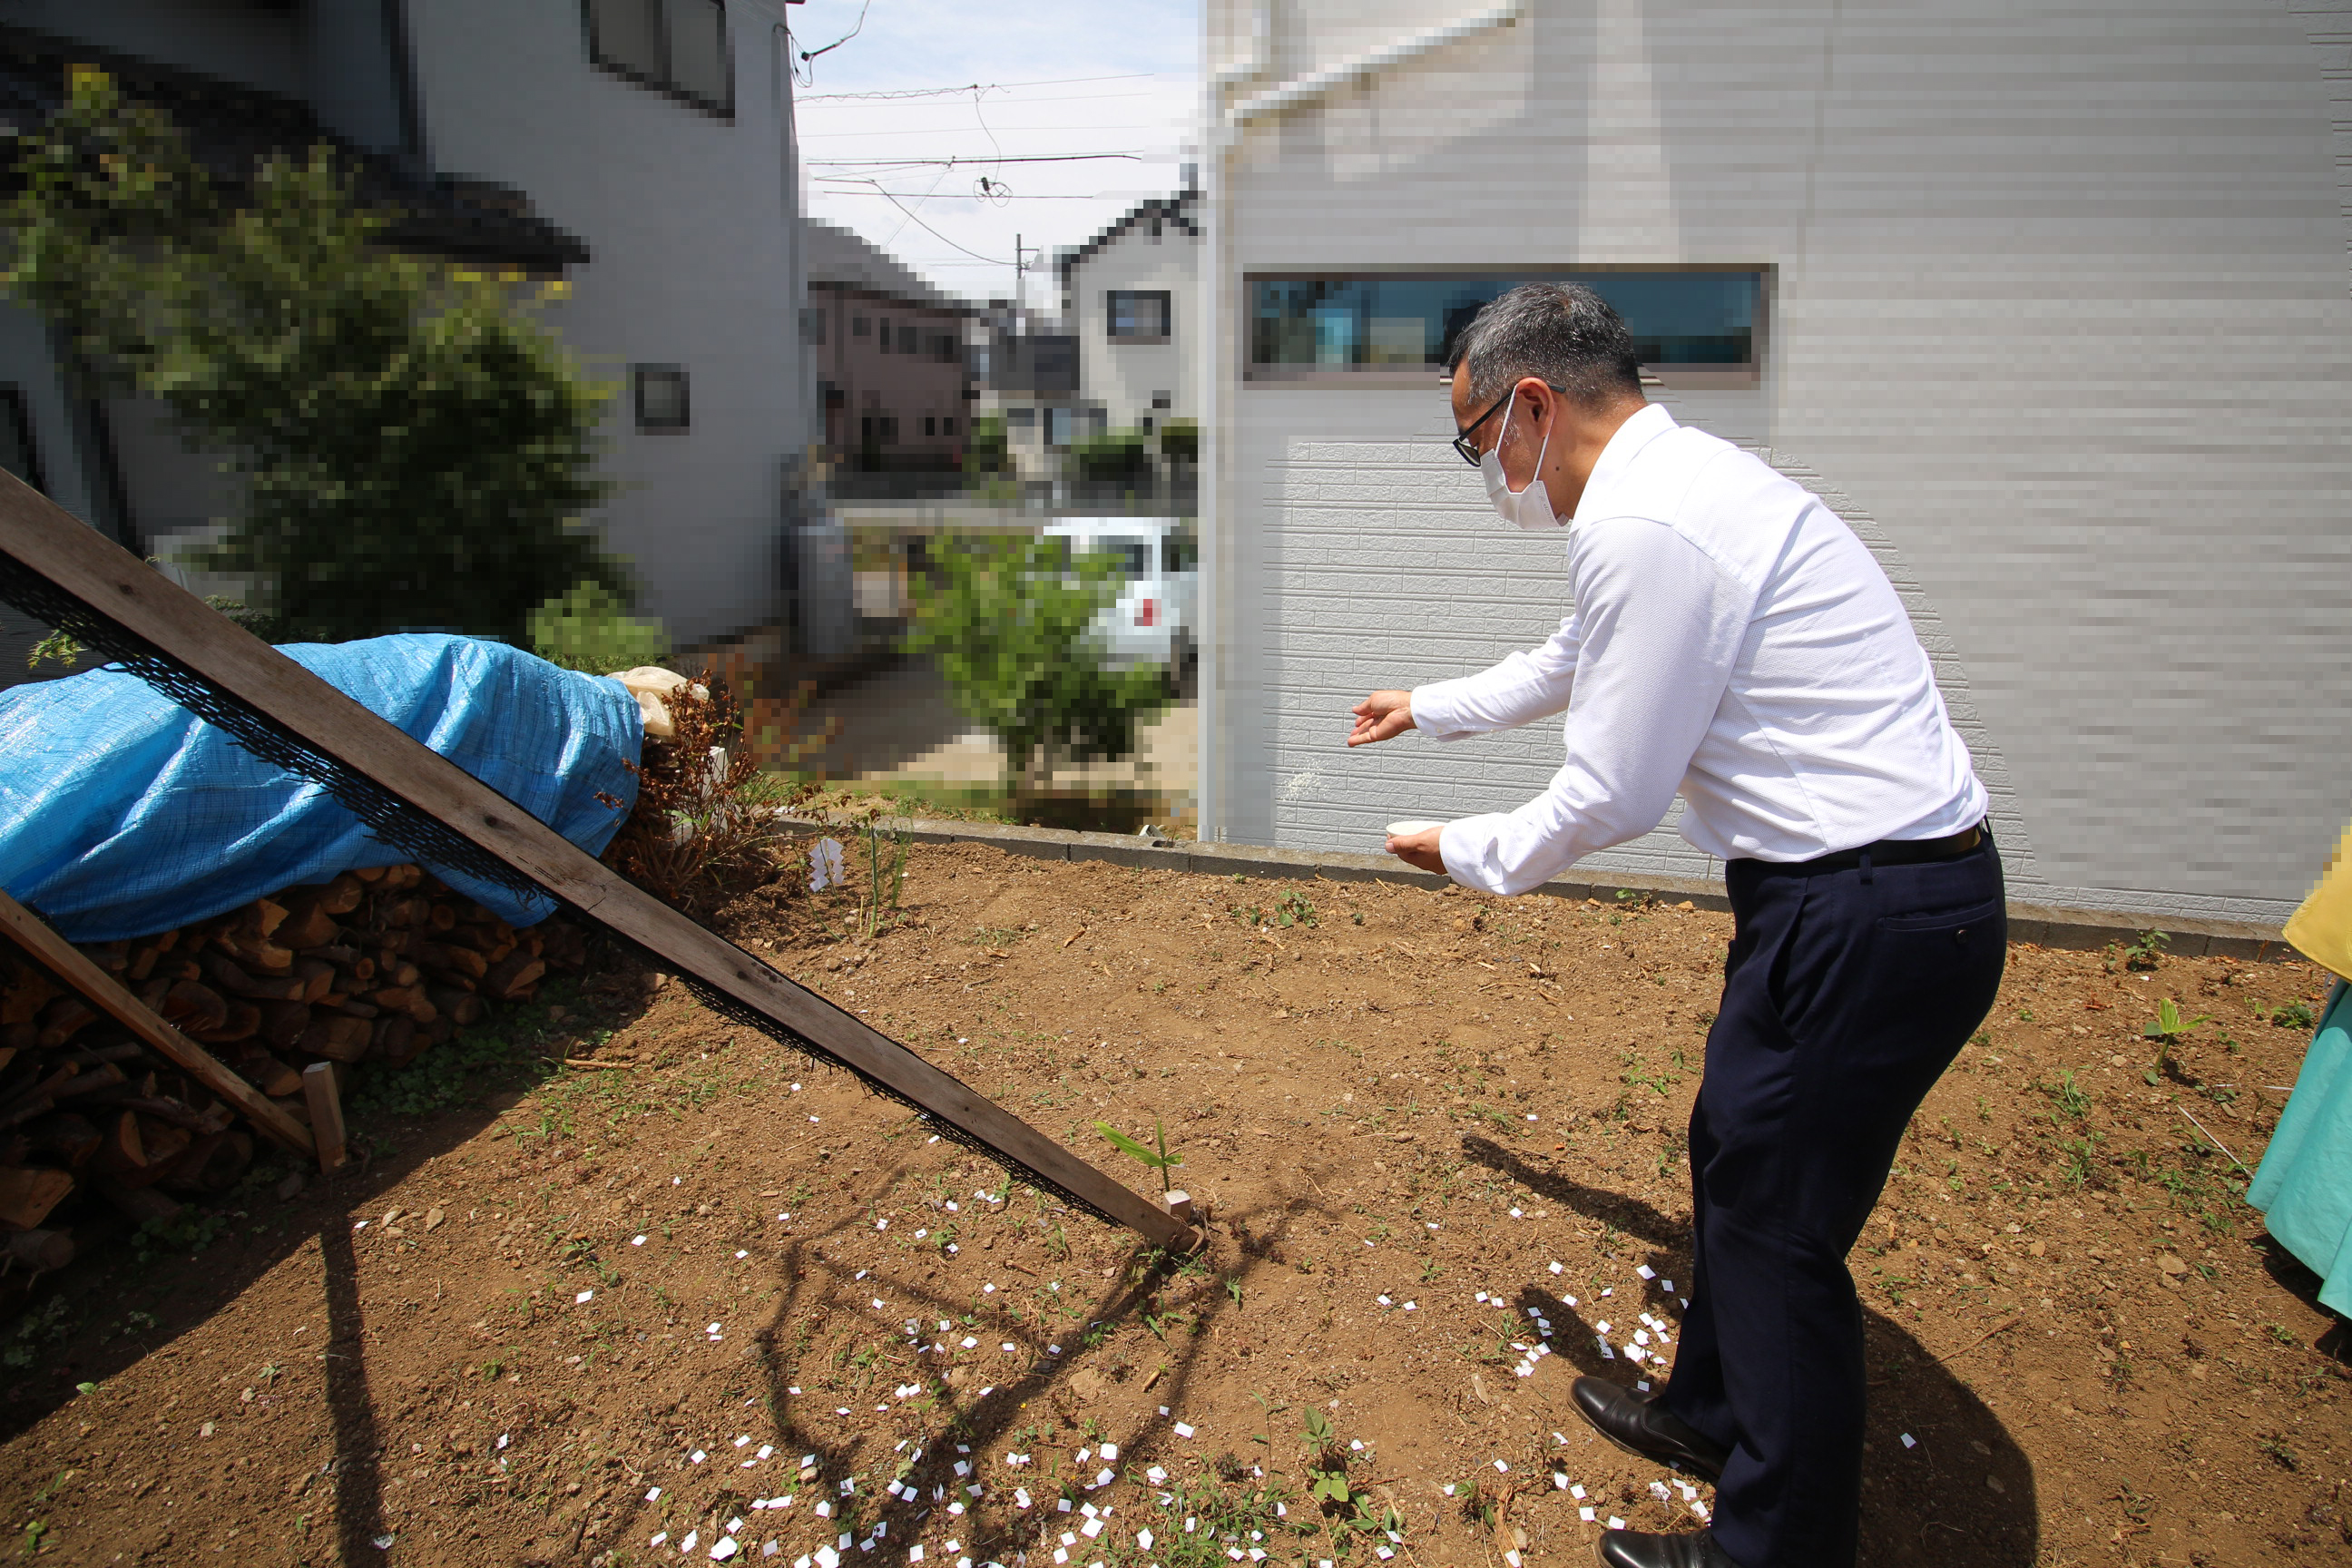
{"points": [[2049, 303], [641, 149], [1129, 296], [888, 348], [1028, 371]]}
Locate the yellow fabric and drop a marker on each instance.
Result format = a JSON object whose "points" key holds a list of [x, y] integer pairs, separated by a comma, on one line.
{"points": [[2322, 929]]}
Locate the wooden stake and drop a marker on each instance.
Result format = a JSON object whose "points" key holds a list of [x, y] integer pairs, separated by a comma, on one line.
{"points": [[66, 558], [324, 1097], [65, 961]]}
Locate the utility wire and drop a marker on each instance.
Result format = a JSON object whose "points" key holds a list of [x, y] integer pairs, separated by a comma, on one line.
{"points": [[975, 87], [927, 228], [928, 162]]}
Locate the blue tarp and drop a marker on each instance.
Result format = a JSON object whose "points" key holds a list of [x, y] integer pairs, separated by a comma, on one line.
{"points": [[2305, 1185], [123, 814]]}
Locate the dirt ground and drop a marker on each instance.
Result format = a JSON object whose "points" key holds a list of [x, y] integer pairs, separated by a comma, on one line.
{"points": [[706, 1297]]}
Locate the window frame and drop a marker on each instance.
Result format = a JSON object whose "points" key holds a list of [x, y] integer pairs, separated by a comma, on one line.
{"points": [[1713, 375], [663, 82], [1167, 299], [638, 376]]}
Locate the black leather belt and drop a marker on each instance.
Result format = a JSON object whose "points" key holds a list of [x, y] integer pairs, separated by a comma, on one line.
{"points": [[1885, 852]]}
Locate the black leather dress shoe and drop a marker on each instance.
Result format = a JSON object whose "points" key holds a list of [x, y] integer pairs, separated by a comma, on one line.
{"points": [[1642, 1425], [1639, 1549]]}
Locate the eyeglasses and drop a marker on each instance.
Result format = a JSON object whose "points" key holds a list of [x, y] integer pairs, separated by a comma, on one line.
{"points": [[1468, 447]]}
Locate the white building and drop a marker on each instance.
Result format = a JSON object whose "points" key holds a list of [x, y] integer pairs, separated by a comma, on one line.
{"points": [[2051, 303], [1130, 297], [644, 149]]}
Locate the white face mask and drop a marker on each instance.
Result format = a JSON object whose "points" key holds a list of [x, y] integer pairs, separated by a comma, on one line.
{"points": [[1532, 506], [1529, 508]]}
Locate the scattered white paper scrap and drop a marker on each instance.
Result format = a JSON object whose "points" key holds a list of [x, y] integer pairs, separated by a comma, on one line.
{"points": [[1646, 1272], [1616, 1523], [723, 1551], [1909, 1441], [653, 1494], [1585, 1513], [636, 1241], [1555, 1268], [1183, 1429]]}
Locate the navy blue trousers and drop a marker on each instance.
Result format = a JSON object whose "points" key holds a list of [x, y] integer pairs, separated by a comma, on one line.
{"points": [[1845, 997]]}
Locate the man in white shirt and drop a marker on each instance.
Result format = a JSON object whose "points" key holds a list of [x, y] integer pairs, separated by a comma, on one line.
{"points": [[1733, 642]]}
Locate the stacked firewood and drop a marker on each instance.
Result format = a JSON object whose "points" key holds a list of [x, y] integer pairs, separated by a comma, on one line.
{"points": [[375, 966]]}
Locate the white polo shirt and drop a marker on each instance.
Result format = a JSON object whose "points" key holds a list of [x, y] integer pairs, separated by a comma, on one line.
{"points": [[1733, 641]]}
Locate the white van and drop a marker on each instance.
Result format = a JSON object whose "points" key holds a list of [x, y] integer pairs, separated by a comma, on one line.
{"points": [[1152, 620]]}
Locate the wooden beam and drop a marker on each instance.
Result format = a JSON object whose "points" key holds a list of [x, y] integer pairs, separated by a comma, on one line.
{"points": [[106, 994], [323, 1093], [43, 541]]}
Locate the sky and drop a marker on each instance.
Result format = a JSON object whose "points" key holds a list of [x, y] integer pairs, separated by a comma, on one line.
{"points": [[1057, 78]]}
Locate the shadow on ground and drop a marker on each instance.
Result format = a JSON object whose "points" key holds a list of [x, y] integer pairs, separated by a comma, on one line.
{"points": [[1964, 1495]]}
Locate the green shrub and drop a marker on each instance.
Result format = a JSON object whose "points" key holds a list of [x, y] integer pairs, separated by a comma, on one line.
{"points": [[1180, 441], [1007, 622], [989, 449], [586, 629], [1112, 455]]}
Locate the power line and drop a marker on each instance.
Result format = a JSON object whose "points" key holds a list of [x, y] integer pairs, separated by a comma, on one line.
{"points": [[951, 130], [1016, 196], [928, 162], [975, 87], [927, 228]]}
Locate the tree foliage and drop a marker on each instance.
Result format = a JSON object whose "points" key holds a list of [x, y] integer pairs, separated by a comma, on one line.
{"points": [[989, 450], [1008, 622], [415, 449]]}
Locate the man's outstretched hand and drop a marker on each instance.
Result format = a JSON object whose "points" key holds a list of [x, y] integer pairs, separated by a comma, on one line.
{"points": [[1419, 849], [1379, 716]]}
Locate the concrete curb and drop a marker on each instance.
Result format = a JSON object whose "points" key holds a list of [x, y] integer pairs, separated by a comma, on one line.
{"points": [[2040, 924]]}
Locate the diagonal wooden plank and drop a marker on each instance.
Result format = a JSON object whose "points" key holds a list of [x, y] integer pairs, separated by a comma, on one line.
{"points": [[41, 540], [106, 994]]}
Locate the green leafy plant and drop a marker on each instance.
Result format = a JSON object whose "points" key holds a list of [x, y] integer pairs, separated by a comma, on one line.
{"points": [[414, 448], [2291, 1016], [587, 629], [1161, 1160], [2147, 953], [1326, 1471], [2167, 1032], [1008, 623], [1112, 455], [1180, 441], [1292, 908], [988, 451], [2068, 1098]]}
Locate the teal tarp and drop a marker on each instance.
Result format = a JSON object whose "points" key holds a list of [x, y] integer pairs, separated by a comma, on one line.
{"points": [[2304, 1187]]}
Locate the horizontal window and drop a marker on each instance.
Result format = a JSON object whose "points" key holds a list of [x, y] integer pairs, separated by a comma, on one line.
{"points": [[1137, 313], [1688, 318], [678, 46]]}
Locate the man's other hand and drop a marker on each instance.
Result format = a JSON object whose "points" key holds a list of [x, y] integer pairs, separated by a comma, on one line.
{"points": [[1419, 849], [1379, 716]]}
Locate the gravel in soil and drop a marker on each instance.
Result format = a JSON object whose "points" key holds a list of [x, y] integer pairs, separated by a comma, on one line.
{"points": [[707, 1297]]}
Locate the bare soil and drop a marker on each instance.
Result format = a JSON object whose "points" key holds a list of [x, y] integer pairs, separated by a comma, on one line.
{"points": [[621, 1302]]}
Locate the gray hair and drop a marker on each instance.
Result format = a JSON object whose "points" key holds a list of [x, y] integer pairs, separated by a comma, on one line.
{"points": [[1562, 334]]}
